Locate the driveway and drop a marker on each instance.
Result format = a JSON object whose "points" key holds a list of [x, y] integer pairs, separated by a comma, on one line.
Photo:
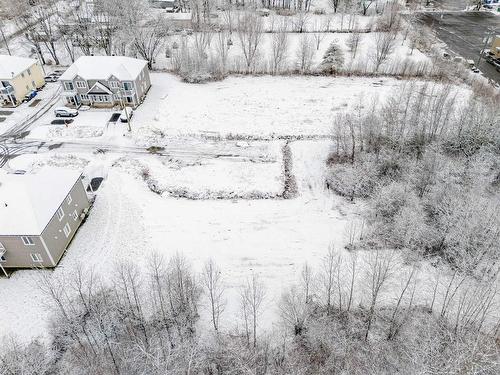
{"points": [[464, 33]]}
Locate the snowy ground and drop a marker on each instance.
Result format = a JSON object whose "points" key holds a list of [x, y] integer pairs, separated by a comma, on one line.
{"points": [[24, 112], [270, 237], [254, 106], [239, 107]]}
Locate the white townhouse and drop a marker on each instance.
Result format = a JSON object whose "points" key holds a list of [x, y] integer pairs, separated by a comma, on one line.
{"points": [[106, 81]]}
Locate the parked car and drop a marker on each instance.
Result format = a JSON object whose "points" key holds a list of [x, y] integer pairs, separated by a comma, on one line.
{"points": [[65, 112], [126, 111], [29, 96], [51, 78]]}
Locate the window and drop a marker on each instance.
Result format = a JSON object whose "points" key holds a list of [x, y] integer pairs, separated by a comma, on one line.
{"points": [[81, 84], [2, 259], [68, 86], [33, 83], [67, 230], [28, 241], [69, 199], [116, 97], [115, 84], [35, 257], [127, 86], [29, 72], [60, 213], [27, 88], [84, 97], [129, 99], [22, 75], [75, 215]]}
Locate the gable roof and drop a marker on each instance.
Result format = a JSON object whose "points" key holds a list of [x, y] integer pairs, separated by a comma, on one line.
{"points": [[102, 67], [28, 202], [99, 88], [11, 66]]}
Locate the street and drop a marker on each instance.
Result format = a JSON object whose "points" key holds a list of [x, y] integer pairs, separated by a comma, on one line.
{"points": [[464, 33], [450, 4]]}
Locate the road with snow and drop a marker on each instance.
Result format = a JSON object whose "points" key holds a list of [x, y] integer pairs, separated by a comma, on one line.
{"points": [[464, 33]]}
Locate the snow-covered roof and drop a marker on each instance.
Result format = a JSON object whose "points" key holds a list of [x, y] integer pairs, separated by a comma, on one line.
{"points": [[11, 66], [102, 67], [28, 202]]}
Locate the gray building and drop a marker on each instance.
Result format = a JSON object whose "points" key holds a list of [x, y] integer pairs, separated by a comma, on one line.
{"points": [[39, 215], [106, 81]]}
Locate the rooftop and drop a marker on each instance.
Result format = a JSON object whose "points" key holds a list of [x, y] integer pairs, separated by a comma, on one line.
{"points": [[11, 66], [28, 202], [102, 67]]}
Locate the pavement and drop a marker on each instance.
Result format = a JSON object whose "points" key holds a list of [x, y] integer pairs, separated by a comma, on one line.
{"points": [[450, 4], [464, 33]]}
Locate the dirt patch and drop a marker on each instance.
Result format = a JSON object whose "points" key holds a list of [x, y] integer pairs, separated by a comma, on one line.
{"points": [[35, 102]]}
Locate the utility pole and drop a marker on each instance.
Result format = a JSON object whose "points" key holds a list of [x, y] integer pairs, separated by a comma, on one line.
{"points": [[126, 112], [491, 30]]}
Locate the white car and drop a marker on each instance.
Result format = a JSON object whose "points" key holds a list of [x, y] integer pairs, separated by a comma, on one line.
{"points": [[126, 114], [65, 112]]}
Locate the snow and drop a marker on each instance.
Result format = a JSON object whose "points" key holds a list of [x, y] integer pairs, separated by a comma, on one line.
{"points": [[255, 106], [11, 66], [28, 202], [102, 67], [272, 238]]}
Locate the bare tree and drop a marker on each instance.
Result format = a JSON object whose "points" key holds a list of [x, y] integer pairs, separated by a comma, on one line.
{"points": [[148, 39], [295, 310], [319, 35], [305, 54], [214, 289], [365, 5], [334, 4], [279, 48], [252, 296], [384, 45], [249, 30], [301, 21], [353, 42], [380, 267]]}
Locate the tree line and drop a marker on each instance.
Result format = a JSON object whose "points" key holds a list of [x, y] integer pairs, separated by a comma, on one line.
{"points": [[341, 317]]}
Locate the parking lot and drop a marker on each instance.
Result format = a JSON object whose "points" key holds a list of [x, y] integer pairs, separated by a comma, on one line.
{"points": [[464, 33]]}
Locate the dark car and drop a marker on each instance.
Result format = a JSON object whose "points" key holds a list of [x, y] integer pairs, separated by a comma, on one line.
{"points": [[51, 78], [29, 96]]}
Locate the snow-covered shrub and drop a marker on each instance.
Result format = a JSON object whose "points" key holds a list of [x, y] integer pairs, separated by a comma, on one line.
{"points": [[333, 59]]}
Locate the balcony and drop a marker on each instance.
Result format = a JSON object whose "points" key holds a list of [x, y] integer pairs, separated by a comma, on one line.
{"points": [[127, 92], [6, 90]]}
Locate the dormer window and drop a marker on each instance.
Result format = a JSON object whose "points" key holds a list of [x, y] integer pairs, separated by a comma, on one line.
{"points": [[68, 86], [81, 84]]}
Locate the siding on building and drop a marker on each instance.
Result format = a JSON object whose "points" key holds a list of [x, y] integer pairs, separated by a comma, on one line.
{"points": [[27, 81], [52, 242]]}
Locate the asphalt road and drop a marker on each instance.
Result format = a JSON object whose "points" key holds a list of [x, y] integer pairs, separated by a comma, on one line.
{"points": [[450, 4], [464, 33]]}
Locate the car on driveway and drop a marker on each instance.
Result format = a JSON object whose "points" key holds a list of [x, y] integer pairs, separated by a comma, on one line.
{"points": [[29, 96], [65, 112]]}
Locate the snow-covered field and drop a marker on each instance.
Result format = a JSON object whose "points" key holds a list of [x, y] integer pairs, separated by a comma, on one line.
{"points": [[273, 238], [203, 129], [254, 106]]}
